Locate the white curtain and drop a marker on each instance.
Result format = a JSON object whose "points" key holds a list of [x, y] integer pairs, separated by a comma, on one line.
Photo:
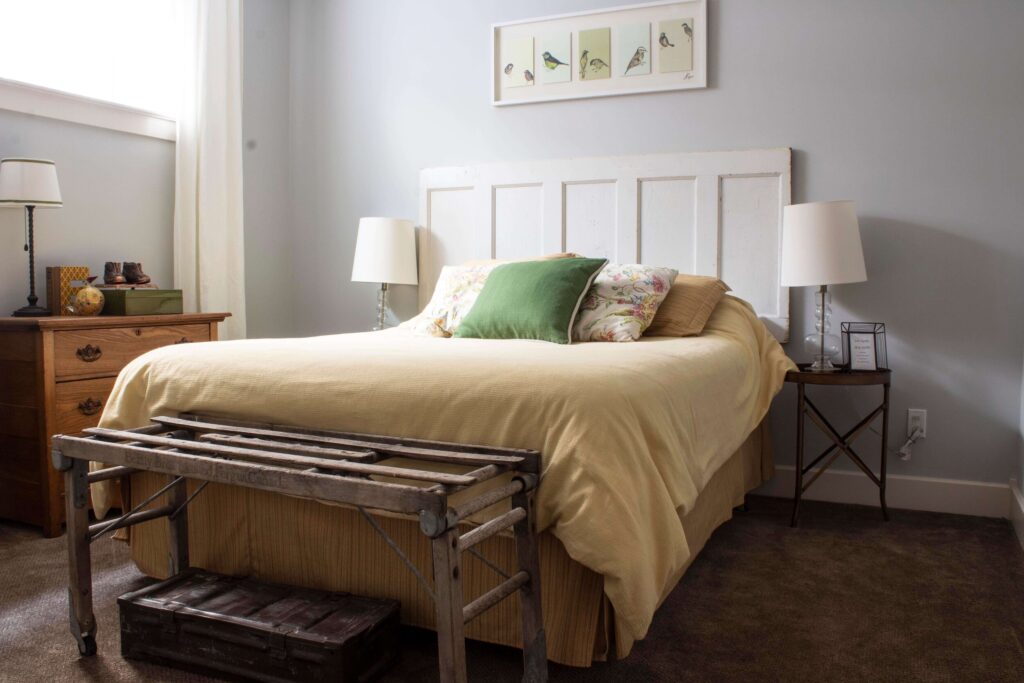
{"points": [[209, 248]]}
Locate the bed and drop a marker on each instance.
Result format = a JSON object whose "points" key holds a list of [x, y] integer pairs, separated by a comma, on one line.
{"points": [[647, 446]]}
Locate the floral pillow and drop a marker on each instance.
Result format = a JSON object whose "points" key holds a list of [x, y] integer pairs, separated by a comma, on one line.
{"points": [[622, 302], [456, 292]]}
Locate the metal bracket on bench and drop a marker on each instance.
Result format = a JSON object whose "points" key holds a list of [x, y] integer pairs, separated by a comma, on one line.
{"points": [[86, 641], [81, 487], [433, 525], [61, 462]]}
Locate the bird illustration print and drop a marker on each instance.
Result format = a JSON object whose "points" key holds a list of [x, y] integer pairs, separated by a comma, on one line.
{"points": [[552, 62], [583, 64], [663, 40], [528, 75], [508, 69], [688, 31], [638, 59], [597, 64]]}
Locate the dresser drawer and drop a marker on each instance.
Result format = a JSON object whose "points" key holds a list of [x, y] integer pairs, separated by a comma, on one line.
{"points": [[83, 353], [79, 404]]}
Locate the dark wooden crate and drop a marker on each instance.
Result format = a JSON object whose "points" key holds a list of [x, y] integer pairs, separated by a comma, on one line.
{"points": [[259, 631]]}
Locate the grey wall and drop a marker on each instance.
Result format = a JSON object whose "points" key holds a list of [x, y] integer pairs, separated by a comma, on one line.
{"points": [[910, 108], [118, 192]]}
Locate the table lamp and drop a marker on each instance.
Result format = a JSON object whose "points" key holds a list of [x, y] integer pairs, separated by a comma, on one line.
{"points": [[385, 253], [29, 183], [821, 247]]}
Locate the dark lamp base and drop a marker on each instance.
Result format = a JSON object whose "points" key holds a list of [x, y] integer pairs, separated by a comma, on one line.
{"points": [[31, 312]]}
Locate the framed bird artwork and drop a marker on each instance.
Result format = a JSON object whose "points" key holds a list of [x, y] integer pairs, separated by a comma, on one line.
{"points": [[633, 47], [554, 51], [675, 43], [517, 62], [595, 52], [651, 47]]}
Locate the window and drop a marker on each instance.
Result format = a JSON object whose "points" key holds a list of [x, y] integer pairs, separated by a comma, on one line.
{"points": [[126, 52]]}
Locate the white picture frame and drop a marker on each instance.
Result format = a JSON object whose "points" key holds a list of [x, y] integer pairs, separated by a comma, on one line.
{"points": [[692, 37]]}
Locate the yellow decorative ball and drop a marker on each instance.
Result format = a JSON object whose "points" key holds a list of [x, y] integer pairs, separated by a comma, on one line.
{"points": [[87, 301]]}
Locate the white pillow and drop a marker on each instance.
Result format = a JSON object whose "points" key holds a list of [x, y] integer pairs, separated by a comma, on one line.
{"points": [[456, 292], [622, 302]]}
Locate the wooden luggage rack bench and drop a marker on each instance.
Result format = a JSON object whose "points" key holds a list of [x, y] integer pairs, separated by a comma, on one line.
{"points": [[327, 466]]}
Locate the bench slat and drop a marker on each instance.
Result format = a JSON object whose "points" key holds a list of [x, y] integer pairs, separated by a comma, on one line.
{"points": [[284, 459], [394, 449]]}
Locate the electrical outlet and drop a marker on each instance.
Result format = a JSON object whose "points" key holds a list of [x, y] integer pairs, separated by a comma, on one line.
{"points": [[917, 418]]}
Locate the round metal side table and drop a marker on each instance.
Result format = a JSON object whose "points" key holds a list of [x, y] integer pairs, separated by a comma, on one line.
{"points": [[841, 443]]}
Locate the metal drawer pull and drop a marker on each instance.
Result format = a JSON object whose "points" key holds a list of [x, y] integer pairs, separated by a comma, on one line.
{"points": [[89, 353], [184, 340], [90, 406]]}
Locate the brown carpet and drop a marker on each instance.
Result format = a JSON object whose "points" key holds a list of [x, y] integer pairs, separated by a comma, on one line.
{"points": [[926, 597]]}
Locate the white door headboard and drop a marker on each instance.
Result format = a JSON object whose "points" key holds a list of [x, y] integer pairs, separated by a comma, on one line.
{"points": [[707, 213]]}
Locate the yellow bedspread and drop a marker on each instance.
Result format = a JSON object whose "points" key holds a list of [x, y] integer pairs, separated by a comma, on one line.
{"points": [[630, 433]]}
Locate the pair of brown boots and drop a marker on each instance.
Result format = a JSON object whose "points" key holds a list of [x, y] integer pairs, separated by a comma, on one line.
{"points": [[131, 273]]}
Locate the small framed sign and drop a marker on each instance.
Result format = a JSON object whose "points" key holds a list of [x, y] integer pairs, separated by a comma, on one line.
{"points": [[862, 351], [864, 346]]}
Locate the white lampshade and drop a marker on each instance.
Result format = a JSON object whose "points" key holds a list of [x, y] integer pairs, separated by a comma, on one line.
{"points": [[29, 182], [385, 252], [821, 245]]}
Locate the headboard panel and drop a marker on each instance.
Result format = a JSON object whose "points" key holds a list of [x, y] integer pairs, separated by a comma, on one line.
{"points": [[708, 213]]}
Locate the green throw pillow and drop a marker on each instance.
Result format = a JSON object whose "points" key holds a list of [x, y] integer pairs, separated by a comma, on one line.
{"points": [[531, 300]]}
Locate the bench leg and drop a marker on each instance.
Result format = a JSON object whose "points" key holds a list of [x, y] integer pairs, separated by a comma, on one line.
{"points": [[83, 622], [177, 529], [535, 655], [451, 640]]}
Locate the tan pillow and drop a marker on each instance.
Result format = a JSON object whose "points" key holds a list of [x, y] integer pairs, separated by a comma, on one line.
{"points": [[690, 302], [547, 257]]}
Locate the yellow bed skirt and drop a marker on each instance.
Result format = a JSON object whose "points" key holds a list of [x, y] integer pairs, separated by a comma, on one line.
{"points": [[245, 532]]}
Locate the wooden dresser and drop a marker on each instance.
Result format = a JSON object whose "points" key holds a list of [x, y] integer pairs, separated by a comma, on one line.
{"points": [[55, 376]]}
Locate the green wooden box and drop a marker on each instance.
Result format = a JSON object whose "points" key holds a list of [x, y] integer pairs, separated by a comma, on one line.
{"points": [[141, 301]]}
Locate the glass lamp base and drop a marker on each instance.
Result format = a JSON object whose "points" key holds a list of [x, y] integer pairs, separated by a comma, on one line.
{"points": [[822, 364], [822, 349], [390, 320], [385, 316], [820, 345]]}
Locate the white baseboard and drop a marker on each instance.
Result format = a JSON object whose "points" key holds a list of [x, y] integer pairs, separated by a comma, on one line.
{"points": [[1017, 510], [979, 498]]}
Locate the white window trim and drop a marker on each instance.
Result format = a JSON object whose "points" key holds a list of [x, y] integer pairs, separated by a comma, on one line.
{"points": [[54, 104]]}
